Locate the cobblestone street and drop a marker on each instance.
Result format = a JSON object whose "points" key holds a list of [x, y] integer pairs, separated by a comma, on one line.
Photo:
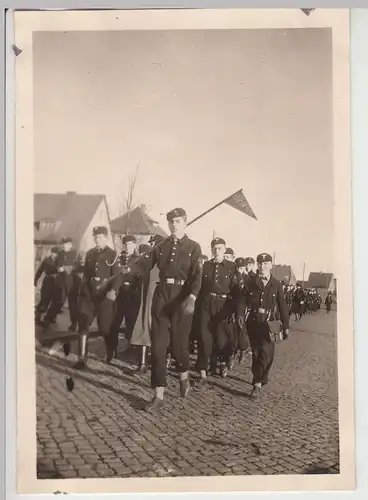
{"points": [[100, 430]]}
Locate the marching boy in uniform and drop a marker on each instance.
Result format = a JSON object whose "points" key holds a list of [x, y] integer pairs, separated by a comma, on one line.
{"points": [[178, 259], [97, 292], [220, 288], [128, 300], [267, 304]]}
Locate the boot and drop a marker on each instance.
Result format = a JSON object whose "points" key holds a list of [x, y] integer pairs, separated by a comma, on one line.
{"points": [[82, 352]]}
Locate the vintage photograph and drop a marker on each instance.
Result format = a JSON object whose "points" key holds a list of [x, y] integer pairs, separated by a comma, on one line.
{"points": [[185, 271]]}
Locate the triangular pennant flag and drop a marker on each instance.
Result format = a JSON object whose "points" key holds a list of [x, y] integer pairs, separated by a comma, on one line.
{"points": [[239, 202]]}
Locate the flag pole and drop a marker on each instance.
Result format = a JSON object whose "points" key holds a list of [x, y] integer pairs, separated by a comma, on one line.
{"points": [[303, 271], [212, 208]]}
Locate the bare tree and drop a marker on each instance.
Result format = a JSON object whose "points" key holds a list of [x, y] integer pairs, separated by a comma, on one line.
{"points": [[128, 200]]}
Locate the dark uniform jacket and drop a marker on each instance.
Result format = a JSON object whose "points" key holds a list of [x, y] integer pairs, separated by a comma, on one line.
{"points": [[299, 296], [266, 302], [100, 267], [221, 278], [181, 260], [129, 282], [66, 259], [48, 266]]}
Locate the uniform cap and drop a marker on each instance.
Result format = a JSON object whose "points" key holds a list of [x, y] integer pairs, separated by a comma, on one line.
{"points": [[229, 251], [240, 262], [99, 230], [55, 249], [144, 248], [264, 257], [176, 212], [155, 238], [129, 237], [249, 260], [217, 241], [204, 257], [67, 239]]}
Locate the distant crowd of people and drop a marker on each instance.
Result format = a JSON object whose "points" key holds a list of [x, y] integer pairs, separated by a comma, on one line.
{"points": [[171, 298]]}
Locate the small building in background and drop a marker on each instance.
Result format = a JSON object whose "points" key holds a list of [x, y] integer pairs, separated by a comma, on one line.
{"points": [[284, 273], [323, 283], [68, 214], [135, 222]]}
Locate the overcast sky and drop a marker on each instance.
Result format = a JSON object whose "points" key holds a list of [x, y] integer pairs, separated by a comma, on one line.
{"points": [[203, 114]]}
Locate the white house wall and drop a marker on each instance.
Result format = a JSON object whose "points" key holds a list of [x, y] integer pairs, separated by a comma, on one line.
{"points": [[100, 218]]}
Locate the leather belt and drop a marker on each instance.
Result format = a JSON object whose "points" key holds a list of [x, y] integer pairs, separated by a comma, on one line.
{"points": [[98, 279], [220, 295], [173, 281]]}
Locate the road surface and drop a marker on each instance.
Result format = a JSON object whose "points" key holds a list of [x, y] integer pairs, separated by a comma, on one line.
{"points": [[100, 430]]}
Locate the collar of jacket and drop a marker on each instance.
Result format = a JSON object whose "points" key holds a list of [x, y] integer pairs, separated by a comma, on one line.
{"points": [[223, 262], [181, 240]]}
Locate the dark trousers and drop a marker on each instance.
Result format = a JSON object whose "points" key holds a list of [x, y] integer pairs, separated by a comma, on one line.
{"points": [[66, 287], [215, 335], [263, 350], [47, 290], [92, 305], [196, 325], [169, 326], [127, 307], [243, 339]]}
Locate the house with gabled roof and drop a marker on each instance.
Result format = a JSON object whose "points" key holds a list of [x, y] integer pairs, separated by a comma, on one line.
{"points": [[138, 223], [284, 273], [323, 282], [70, 214]]}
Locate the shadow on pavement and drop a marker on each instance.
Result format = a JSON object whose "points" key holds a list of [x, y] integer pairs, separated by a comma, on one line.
{"points": [[317, 469], [46, 472], [135, 401]]}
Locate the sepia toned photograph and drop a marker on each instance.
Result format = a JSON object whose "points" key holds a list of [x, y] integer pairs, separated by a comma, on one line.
{"points": [[187, 286]]}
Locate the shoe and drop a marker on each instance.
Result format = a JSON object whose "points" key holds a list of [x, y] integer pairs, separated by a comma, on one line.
{"points": [[110, 354], [155, 404], [255, 392], [184, 387], [224, 370], [80, 365], [142, 370], [212, 371], [201, 383], [168, 361]]}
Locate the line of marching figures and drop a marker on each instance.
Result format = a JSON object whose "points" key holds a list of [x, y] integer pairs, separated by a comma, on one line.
{"points": [[171, 297]]}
